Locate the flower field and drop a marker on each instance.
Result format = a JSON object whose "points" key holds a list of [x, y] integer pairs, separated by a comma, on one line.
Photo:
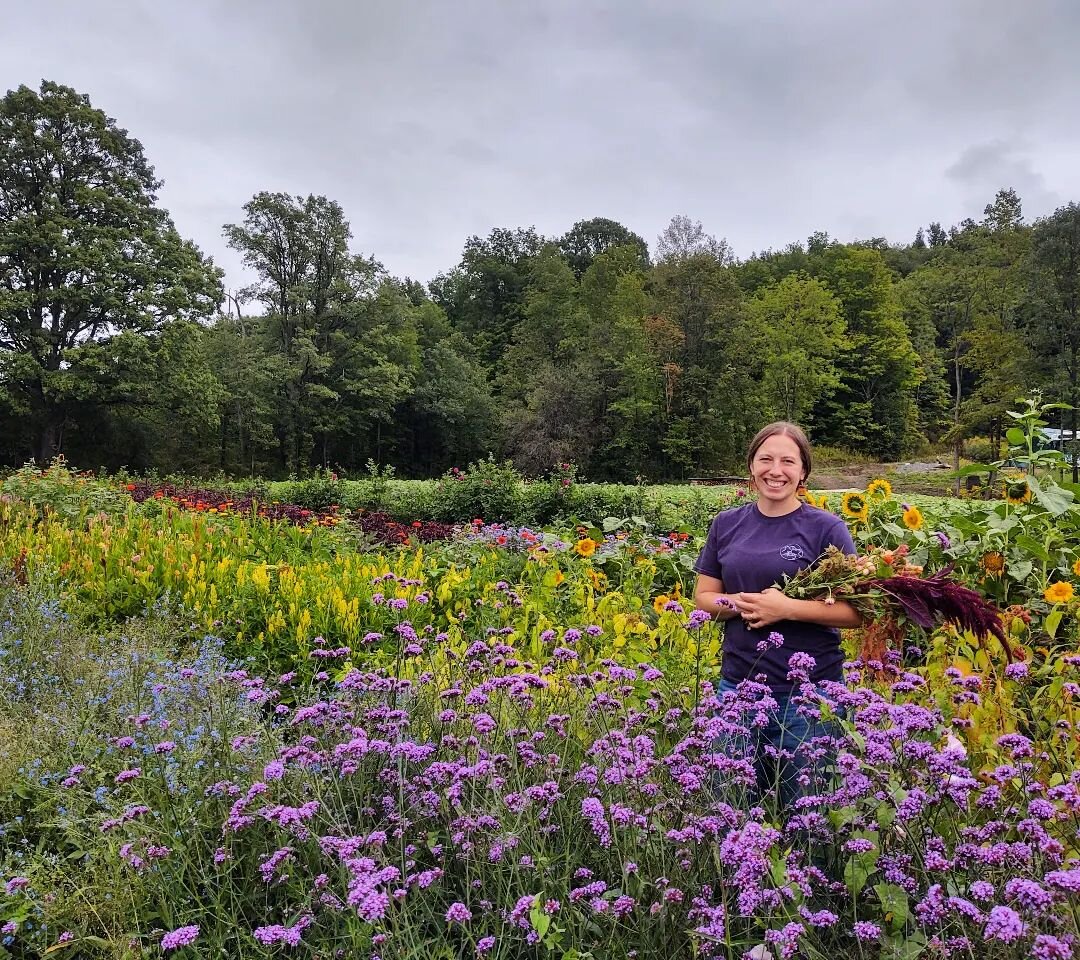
{"points": [[226, 731]]}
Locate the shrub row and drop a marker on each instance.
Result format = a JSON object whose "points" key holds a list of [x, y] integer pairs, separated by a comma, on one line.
{"points": [[497, 493]]}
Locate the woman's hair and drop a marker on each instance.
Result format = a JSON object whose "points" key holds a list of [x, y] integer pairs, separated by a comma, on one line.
{"points": [[784, 429]]}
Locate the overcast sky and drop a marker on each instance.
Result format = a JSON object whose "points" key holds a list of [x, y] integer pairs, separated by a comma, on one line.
{"points": [[431, 120]]}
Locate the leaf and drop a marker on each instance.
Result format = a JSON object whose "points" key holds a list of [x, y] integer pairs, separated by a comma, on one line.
{"points": [[898, 947], [1052, 622], [1019, 570], [539, 920], [885, 815], [1016, 437], [970, 470], [1034, 547], [894, 900], [1052, 497], [858, 870]]}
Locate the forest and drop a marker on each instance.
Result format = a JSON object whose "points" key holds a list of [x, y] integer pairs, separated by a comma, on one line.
{"points": [[120, 345]]}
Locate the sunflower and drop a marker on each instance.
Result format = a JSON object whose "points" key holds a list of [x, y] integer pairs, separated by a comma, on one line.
{"points": [[879, 487], [660, 601], [855, 507], [912, 518], [993, 563], [1018, 492], [1076, 568], [1060, 592], [585, 547]]}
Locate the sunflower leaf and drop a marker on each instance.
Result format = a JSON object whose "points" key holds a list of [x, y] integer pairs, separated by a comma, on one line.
{"points": [[1034, 548], [1019, 570], [1052, 497], [967, 471]]}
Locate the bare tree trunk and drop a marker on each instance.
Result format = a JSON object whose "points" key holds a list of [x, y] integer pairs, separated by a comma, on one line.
{"points": [[958, 440], [48, 442], [224, 440], [240, 434], [1073, 399]]}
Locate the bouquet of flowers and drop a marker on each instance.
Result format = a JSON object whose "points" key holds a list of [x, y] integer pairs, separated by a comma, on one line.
{"points": [[890, 593]]}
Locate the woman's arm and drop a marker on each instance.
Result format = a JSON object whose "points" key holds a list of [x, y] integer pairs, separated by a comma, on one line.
{"points": [[709, 596], [770, 606]]}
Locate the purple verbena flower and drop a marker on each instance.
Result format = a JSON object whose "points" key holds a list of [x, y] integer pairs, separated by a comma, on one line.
{"points": [[1048, 947], [864, 930], [181, 937], [1004, 924], [458, 913]]}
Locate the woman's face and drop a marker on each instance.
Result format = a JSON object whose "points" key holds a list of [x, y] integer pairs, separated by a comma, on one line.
{"points": [[777, 469]]}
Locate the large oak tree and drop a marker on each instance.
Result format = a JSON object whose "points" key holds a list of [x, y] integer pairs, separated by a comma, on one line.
{"points": [[85, 253]]}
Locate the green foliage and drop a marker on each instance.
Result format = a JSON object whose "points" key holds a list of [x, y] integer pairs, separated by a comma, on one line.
{"points": [[587, 239], [1056, 317], [85, 253], [450, 414], [541, 351], [800, 332], [873, 408], [826, 455], [710, 369], [320, 491], [486, 490], [982, 450], [56, 489], [341, 338], [484, 296]]}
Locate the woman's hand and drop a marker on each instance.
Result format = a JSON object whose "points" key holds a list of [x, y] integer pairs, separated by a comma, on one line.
{"points": [[763, 609]]}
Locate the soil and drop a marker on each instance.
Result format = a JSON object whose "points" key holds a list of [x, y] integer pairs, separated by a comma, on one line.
{"points": [[932, 481]]}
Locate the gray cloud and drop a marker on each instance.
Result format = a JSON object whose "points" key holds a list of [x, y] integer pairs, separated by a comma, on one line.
{"points": [[431, 121], [983, 167]]}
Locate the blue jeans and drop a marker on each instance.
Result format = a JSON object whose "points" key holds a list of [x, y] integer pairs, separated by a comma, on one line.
{"points": [[781, 763]]}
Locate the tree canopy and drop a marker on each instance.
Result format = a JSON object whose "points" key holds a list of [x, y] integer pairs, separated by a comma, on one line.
{"points": [[85, 254], [116, 346]]}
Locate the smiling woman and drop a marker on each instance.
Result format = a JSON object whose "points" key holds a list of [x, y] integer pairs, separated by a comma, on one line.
{"points": [[767, 634]]}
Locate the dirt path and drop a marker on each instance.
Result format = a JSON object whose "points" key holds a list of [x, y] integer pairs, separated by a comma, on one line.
{"points": [[931, 480]]}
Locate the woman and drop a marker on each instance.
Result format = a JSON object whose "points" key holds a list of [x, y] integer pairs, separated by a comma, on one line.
{"points": [[748, 550]]}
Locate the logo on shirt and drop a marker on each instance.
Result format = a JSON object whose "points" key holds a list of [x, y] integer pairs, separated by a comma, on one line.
{"points": [[792, 551]]}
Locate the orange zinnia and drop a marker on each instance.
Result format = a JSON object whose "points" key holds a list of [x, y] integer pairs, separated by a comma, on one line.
{"points": [[1060, 592]]}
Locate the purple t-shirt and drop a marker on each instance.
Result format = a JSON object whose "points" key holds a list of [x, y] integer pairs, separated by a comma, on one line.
{"points": [[750, 552]]}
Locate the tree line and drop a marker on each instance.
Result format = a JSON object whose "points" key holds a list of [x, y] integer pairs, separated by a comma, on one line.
{"points": [[120, 346]]}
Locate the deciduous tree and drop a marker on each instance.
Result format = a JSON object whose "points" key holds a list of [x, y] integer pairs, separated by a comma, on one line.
{"points": [[85, 251], [1056, 261], [800, 332]]}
